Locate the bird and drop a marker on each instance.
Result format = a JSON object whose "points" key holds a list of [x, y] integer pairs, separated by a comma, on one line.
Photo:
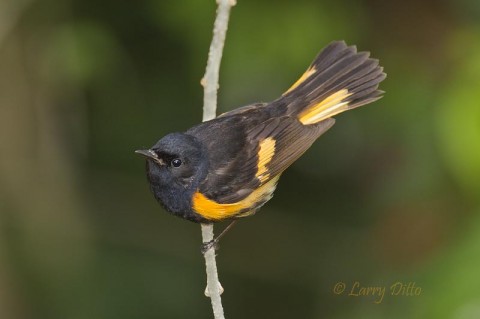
{"points": [[228, 168]]}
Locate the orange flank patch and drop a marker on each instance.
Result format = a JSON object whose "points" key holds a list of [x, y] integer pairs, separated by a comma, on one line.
{"points": [[327, 108], [265, 155], [214, 211], [302, 79]]}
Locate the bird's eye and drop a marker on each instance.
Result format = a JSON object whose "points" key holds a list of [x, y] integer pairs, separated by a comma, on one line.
{"points": [[176, 162]]}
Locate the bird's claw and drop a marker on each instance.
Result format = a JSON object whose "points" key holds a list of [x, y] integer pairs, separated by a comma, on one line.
{"points": [[209, 245]]}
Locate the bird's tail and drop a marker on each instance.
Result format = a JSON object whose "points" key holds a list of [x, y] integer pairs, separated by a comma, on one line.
{"points": [[339, 79]]}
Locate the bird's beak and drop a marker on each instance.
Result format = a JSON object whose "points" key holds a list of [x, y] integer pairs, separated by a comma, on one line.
{"points": [[148, 154]]}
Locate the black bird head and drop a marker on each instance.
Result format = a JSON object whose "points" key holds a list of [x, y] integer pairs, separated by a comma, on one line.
{"points": [[175, 166]]}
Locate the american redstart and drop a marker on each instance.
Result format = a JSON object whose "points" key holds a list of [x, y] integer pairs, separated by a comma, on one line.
{"points": [[228, 167]]}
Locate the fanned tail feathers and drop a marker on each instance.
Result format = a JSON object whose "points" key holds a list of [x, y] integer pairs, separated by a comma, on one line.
{"points": [[339, 79]]}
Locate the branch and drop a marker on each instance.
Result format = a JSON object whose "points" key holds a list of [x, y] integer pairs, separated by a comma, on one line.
{"points": [[210, 79], [214, 288], [210, 86]]}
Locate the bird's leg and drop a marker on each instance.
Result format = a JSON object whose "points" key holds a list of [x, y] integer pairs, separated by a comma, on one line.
{"points": [[214, 242]]}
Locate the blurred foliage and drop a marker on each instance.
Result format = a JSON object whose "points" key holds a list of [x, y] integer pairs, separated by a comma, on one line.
{"points": [[390, 194]]}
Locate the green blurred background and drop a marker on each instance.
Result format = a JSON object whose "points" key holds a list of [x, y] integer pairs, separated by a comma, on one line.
{"points": [[391, 193]]}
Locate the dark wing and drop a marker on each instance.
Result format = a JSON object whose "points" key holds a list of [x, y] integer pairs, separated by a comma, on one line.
{"points": [[231, 155], [243, 109], [291, 140], [254, 149]]}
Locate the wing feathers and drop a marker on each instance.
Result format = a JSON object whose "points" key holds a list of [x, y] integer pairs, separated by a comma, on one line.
{"points": [[291, 138]]}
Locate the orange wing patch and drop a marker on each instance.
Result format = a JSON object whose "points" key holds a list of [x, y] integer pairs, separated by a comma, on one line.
{"points": [[302, 79], [327, 108], [265, 155], [214, 211]]}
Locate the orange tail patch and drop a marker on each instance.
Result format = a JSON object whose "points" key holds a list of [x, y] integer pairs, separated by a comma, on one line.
{"points": [[328, 107], [302, 79]]}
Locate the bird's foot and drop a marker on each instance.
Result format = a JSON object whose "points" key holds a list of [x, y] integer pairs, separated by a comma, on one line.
{"points": [[212, 244]]}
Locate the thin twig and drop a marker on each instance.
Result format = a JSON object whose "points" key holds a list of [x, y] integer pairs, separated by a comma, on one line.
{"points": [[210, 86], [210, 79]]}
